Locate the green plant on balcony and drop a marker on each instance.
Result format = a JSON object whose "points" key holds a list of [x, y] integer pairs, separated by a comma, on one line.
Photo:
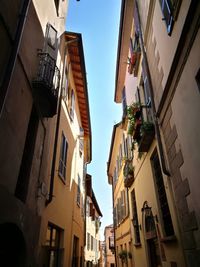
{"points": [[132, 110], [123, 255], [134, 117], [128, 172], [147, 133]]}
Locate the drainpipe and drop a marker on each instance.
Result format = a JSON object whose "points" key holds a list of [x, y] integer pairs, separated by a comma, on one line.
{"points": [[57, 129], [155, 118], [113, 221], [14, 53]]}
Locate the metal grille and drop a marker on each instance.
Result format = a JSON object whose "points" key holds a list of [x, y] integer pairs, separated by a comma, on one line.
{"points": [[48, 73]]}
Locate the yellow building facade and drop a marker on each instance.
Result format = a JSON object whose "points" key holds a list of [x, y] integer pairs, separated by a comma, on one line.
{"points": [[64, 215], [158, 193], [122, 223]]}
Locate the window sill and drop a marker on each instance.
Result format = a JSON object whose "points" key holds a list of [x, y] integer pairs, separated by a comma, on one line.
{"points": [[168, 239]]}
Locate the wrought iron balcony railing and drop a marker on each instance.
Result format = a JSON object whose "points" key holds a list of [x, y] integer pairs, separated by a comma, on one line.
{"points": [[46, 85]]}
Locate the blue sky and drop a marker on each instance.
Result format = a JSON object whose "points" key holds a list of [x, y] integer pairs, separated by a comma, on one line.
{"points": [[98, 22]]}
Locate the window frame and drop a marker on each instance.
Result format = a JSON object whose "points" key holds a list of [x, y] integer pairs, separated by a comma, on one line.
{"points": [[55, 248], [135, 217], [166, 219], [57, 3], [171, 16], [78, 196], [72, 104], [62, 168]]}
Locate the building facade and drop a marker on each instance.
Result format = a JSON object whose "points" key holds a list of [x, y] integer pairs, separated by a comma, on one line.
{"points": [[30, 75], [45, 137], [152, 88], [93, 224], [64, 214], [109, 258]]}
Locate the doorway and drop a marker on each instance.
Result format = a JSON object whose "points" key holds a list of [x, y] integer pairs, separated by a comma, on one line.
{"points": [[12, 246]]}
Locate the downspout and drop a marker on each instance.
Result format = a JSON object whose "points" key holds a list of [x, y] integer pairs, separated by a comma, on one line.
{"points": [[113, 221], [155, 118], [14, 53], [57, 131]]}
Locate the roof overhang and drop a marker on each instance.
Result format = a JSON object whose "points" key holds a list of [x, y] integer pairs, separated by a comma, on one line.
{"points": [[76, 55], [126, 19]]}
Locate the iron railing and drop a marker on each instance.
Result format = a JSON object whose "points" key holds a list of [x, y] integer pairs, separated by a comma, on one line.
{"points": [[48, 73]]}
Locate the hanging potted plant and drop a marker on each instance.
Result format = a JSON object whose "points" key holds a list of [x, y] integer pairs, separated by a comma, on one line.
{"points": [[123, 255], [128, 172], [147, 133], [134, 117]]}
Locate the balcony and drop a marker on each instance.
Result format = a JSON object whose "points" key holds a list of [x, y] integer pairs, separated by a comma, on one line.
{"points": [[147, 133], [46, 85], [128, 172]]}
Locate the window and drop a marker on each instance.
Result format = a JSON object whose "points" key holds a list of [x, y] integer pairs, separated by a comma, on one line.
{"points": [[120, 156], [53, 245], [135, 53], [72, 104], [65, 87], [123, 204], [124, 147], [135, 218], [170, 11], [115, 178], [51, 36], [88, 241], [92, 242], [63, 157], [166, 217], [75, 257], [78, 198], [124, 105], [115, 217], [57, 6]]}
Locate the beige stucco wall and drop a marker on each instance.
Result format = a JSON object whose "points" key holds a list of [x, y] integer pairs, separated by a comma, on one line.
{"points": [[186, 110]]}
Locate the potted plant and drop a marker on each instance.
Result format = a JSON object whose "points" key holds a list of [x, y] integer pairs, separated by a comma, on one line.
{"points": [[134, 117], [123, 254], [128, 172], [147, 133]]}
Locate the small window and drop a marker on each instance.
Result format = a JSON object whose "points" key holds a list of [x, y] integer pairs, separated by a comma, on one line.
{"points": [[57, 6], [63, 157], [162, 197], [75, 255], [72, 104], [65, 88], [51, 36], [78, 198], [88, 241], [53, 245], [92, 242], [124, 104], [170, 10], [135, 218]]}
